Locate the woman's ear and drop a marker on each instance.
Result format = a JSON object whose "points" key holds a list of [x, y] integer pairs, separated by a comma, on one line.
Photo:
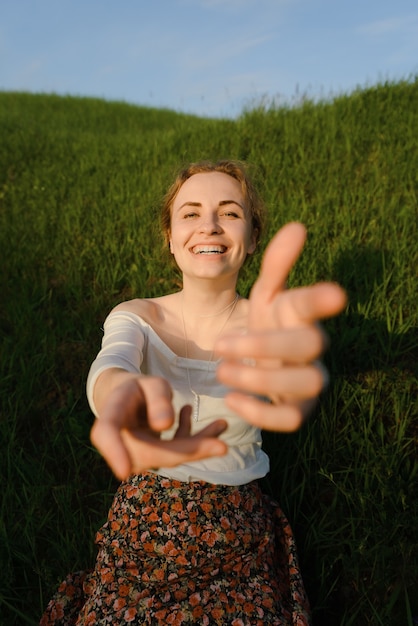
{"points": [[170, 245]]}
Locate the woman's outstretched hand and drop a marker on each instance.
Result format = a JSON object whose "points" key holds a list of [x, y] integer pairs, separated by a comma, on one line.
{"points": [[277, 356], [136, 411]]}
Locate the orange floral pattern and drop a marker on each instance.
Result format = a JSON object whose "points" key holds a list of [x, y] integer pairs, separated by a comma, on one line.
{"points": [[187, 553]]}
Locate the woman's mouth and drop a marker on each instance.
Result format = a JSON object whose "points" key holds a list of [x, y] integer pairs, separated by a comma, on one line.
{"points": [[208, 249]]}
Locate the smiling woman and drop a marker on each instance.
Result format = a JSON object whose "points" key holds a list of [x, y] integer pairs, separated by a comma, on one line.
{"points": [[190, 537], [217, 229], [234, 169]]}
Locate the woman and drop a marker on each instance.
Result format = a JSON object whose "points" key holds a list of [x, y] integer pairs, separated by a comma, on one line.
{"points": [[181, 388]]}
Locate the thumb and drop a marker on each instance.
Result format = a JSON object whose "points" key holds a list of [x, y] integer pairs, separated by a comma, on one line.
{"points": [[107, 439], [280, 256]]}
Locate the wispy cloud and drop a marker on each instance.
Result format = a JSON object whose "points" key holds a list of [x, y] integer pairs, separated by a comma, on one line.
{"points": [[217, 55], [397, 37], [390, 26]]}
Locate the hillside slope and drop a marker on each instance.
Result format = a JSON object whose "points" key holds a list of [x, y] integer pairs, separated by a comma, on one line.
{"points": [[80, 183]]}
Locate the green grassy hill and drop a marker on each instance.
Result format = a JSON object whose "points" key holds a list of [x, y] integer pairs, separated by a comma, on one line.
{"points": [[80, 183]]}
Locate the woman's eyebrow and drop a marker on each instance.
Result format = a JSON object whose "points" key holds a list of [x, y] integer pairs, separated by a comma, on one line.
{"points": [[199, 204], [189, 203], [224, 202]]}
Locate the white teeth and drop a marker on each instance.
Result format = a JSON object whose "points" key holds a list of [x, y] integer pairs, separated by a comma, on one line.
{"points": [[209, 249]]}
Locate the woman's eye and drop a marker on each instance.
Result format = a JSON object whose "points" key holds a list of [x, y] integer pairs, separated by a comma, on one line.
{"points": [[230, 214], [188, 215]]}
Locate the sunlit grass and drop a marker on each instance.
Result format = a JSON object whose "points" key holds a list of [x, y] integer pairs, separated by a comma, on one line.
{"points": [[80, 182]]}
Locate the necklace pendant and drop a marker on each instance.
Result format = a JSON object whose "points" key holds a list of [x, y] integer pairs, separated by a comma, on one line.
{"points": [[196, 406]]}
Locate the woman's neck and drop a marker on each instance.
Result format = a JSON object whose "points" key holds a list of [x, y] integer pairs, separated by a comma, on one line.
{"points": [[201, 330], [207, 301]]}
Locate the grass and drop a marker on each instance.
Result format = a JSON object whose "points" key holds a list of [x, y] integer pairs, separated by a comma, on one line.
{"points": [[80, 182]]}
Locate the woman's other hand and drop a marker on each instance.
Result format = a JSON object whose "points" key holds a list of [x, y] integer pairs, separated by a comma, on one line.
{"points": [[277, 357], [136, 411]]}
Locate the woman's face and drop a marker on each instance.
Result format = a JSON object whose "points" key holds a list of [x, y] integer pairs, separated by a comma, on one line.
{"points": [[211, 231]]}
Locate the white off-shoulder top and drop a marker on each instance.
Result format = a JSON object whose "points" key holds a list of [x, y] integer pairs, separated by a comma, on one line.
{"points": [[131, 343]]}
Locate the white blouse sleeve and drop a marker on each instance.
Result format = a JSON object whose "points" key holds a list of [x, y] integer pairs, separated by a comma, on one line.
{"points": [[122, 347]]}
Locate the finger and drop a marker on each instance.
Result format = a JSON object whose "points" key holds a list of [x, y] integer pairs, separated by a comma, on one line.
{"points": [[305, 305], [214, 429], [286, 417], [106, 437], [280, 256], [158, 401], [290, 382], [185, 422], [299, 345], [151, 453]]}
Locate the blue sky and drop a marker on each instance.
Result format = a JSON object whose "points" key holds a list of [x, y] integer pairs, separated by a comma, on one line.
{"points": [[208, 57]]}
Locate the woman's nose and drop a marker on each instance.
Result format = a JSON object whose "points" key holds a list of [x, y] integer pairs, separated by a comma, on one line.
{"points": [[210, 225]]}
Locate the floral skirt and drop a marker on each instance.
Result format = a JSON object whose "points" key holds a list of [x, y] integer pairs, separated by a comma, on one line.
{"points": [[187, 553]]}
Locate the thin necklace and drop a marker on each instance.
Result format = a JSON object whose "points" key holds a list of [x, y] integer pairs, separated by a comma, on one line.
{"points": [[231, 304], [196, 397]]}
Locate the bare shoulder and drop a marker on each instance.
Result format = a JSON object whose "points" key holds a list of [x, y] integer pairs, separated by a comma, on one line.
{"points": [[154, 311]]}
